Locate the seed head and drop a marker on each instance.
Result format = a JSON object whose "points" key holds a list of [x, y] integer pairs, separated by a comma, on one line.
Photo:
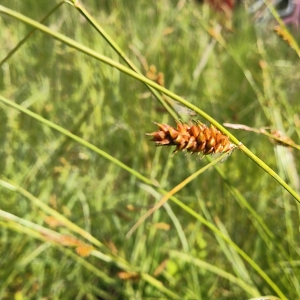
{"points": [[194, 137]]}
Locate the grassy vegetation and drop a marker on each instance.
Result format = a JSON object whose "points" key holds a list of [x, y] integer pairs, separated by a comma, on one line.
{"points": [[77, 171]]}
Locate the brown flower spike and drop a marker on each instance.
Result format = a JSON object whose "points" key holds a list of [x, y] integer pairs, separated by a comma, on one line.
{"points": [[195, 137]]}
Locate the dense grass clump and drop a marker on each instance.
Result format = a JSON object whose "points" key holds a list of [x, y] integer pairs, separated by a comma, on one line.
{"points": [[78, 171]]}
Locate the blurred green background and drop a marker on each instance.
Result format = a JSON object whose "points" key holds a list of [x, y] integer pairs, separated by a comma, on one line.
{"points": [[113, 112]]}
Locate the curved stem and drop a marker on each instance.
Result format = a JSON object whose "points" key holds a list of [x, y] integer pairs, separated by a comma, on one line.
{"points": [[146, 180], [15, 49], [79, 6], [149, 82]]}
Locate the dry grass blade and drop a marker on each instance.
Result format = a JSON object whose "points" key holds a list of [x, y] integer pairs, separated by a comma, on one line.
{"points": [[275, 135], [171, 193]]}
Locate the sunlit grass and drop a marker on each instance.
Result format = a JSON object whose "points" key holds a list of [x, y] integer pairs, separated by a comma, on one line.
{"points": [[233, 232]]}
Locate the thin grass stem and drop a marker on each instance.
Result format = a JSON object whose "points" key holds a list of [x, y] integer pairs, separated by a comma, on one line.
{"points": [[247, 258], [19, 45], [82, 10], [130, 72], [166, 197]]}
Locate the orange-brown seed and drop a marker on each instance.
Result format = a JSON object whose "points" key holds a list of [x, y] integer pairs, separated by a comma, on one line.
{"points": [[218, 148], [195, 130], [157, 136], [163, 127], [163, 142], [191, 143], [196, 137], [207, 134], [173, 133], [201, 138], [211, 142]]}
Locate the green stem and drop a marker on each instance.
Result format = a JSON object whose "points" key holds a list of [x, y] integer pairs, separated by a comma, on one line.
{"points": [[286, 33], [79, 6], [177, 188], [74, 137], [213, 228], [114, 64], [14, 50], [269, 171], [50, 211], [146, 180], [50, 236], [149, 82]]}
